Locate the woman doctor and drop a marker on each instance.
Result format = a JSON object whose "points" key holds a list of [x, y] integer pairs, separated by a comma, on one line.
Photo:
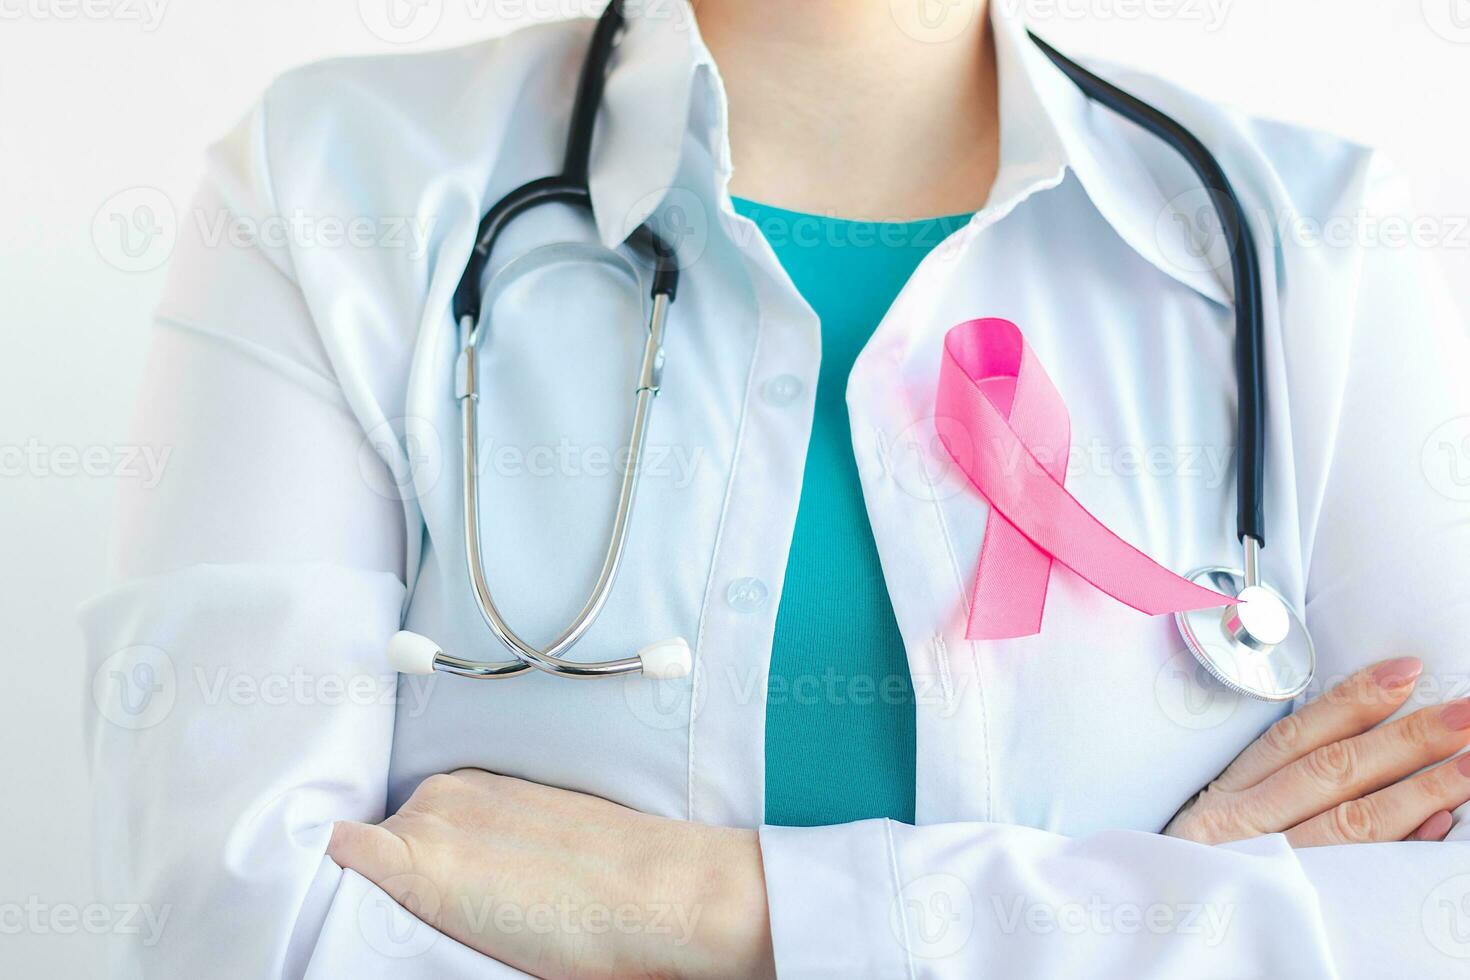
{"points": [[844, 785]]}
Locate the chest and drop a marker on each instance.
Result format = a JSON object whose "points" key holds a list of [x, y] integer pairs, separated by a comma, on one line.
{"points": [[1101, 720]]}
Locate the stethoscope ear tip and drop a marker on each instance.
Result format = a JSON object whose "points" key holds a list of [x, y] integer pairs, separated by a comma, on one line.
{"points": [[410, 653], [667, 659]]}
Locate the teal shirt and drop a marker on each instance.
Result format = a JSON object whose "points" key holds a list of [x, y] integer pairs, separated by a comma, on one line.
{"points": [[840, 703]]}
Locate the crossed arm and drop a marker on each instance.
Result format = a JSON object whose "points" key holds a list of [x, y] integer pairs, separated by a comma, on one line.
{"points": [[224, 580], [1329, 773]]}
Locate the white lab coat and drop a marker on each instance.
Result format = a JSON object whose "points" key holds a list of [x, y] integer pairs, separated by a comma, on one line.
{"points": [[305, 385]]}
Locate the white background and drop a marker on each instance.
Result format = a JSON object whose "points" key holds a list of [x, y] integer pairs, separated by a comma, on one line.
{"points": [[98, 97]]}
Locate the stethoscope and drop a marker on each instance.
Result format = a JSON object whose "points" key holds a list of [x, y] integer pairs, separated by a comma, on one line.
{"points": [[1258, 647]]}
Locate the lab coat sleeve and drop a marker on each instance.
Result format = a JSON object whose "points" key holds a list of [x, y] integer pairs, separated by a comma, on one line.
{"points": [[884, 899], [1388, 528], [1381, 435], [240, 702]]}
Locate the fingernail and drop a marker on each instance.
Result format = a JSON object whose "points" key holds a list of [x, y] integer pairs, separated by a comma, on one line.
{"points": [[1434, 828], [1397, 672], [1463, 765], [1457, 715]]}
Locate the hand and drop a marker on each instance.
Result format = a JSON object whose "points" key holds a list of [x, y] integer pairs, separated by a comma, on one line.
{"points": [[1326, 775], [559, 884]]}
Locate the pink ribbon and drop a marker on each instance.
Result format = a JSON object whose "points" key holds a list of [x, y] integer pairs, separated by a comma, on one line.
{"points": [[999, 417]]}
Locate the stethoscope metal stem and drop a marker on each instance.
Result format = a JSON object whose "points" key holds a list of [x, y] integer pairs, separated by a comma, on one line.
{"points": [[527, 655], [1252, 550]]}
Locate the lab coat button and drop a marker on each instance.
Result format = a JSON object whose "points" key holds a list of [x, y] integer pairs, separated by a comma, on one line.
{"points": [[746, 595], [782, 390]]}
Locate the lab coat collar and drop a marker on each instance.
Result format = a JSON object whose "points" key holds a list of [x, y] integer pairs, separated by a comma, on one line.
{"points": [[1047, 127], [1046, 121], [640, 139]]}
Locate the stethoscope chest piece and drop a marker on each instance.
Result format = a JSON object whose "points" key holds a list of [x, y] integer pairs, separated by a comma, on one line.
{"points": [[1258, 647]]}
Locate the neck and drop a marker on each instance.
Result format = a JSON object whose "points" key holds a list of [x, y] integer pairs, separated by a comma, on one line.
{"points": [[843, 107]]}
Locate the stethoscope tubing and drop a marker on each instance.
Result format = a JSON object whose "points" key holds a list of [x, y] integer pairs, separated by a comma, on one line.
{"points": [[1245, 265], [571, 187]]}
